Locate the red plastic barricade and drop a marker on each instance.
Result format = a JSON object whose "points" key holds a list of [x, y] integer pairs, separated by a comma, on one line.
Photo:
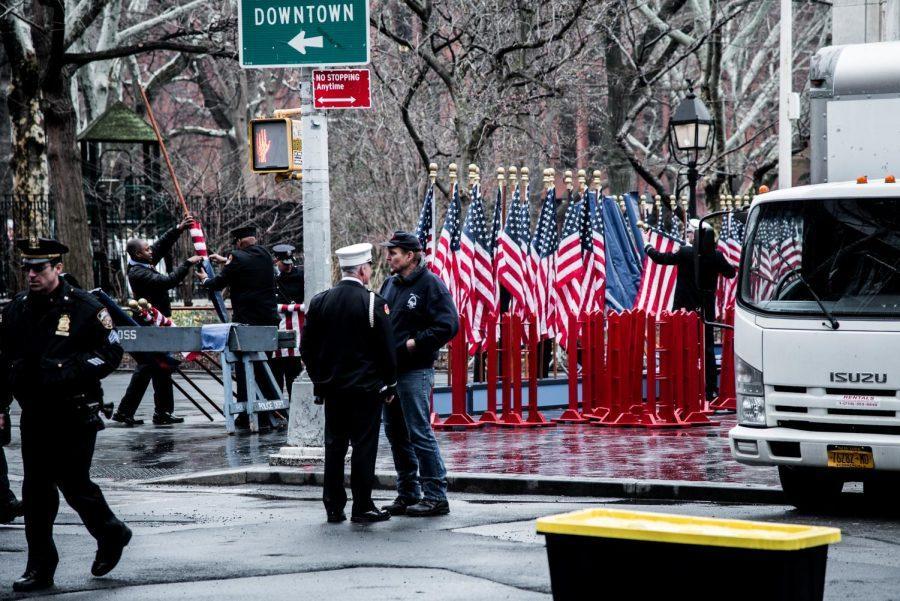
{"points": [[459, 419], [726, 401], [512, 372], [490, 415], [572, 415]]}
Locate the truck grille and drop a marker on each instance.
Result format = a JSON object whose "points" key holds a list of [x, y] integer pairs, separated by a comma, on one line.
{"points": [[823, 427]]}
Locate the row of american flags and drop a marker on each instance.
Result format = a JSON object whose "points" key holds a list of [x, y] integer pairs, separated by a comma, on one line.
{"points": [[594, 262]]}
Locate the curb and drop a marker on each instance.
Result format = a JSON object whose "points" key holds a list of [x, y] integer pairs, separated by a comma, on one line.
{"points": [[504, 484]]}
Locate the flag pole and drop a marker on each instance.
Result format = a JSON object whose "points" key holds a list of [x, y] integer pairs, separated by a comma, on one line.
{"points": [[432, 176], [165, 153]]}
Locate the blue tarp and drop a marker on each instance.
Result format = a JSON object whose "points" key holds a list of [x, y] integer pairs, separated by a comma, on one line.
{"points": [[633, 212], [623, 271]]}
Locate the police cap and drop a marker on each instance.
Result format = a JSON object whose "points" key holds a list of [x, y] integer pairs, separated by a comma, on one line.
{"points": [[246, 231], [36, 251], [284, 253], [404, 240]]}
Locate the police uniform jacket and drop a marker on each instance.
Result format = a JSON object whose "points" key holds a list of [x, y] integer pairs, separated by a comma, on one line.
{"points": [[423, 310], [347, 349], [250, 277], [55, 349], [148, 283], [289, 286]]}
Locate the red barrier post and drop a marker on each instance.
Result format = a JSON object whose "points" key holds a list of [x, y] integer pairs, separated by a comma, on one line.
{"points": [[691, 405], [571, 415], [726, 401], [600, 399], [535, 417], [490, 414], [512, 416], [621, 369], [459, 419]]}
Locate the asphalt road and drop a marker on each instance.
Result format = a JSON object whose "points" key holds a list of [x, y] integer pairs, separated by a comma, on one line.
{"points": [[272, 542]]}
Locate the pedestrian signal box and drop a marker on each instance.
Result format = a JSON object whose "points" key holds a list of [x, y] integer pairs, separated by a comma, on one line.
{"points": [[276, 146]]}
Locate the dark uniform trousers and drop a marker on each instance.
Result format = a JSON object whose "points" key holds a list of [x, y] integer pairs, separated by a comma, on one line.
{"points": [[351, 420], [56, 455], [163, 396], [6, 494], [285, 370]]}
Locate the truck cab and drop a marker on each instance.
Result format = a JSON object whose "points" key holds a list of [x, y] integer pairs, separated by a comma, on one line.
{"points": [[817, 339]]}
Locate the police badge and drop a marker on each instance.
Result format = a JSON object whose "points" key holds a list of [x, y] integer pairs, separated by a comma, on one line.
{"points": [[63, 325], [105, 319]]}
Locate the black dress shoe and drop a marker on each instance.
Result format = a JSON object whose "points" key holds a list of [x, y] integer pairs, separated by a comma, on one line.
{"points": [[166, 419], [427, 508], [373, 515], [398, 507], [336, 517], [33, 580], [13, 510], [109, 551], [126, 420]]}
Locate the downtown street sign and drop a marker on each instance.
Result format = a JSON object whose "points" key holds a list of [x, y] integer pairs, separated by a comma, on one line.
{"points": [[303, 33], [341, 89]]}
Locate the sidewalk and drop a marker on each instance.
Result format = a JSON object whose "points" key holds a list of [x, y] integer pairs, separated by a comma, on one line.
{"points": [[578, 452]]}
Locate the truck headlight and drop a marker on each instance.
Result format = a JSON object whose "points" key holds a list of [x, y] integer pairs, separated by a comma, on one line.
{"points": [[751, 410], [751, 400], [749, 379]]}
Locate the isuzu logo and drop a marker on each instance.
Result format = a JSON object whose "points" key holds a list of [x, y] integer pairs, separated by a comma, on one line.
{"points": [[858, 377]]}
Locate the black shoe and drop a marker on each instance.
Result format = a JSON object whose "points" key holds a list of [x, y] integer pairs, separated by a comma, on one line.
{"points": [[398, 507], [126, 420], [33, 580], [109, 551], [428, 508], [336, 517], [373, 515], [166, 419], [13, 510]]}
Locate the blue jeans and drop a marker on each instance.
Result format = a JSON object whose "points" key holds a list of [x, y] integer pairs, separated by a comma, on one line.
{"points": [[407, 424]]}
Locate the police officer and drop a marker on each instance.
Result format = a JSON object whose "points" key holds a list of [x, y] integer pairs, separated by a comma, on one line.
{"points": [[424, 319], [249, 277], [57, 343], [288, 290], [348, 349], [146, 282]]}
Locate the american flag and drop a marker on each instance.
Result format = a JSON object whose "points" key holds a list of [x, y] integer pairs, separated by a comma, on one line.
{"points": [[291, 315], [199, 241], [730, 240], [593, 287], [446, 257], [657, 289], [765, 260], [530, 309], [425, 226], [512, 265], [476, 270], [569, 273], [542, 261], [494, 241]]}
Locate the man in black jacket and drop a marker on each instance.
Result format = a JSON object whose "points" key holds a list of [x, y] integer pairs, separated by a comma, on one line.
{"points": [[690, 298], [424, 319], [57, 342], [348, 348], [146, 282]]}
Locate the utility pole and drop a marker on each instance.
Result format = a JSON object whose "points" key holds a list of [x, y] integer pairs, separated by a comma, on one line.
{"points": [[785, 81]]}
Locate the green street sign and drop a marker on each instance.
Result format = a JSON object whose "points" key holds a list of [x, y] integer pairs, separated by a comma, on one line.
{"points": [[303, 33]]}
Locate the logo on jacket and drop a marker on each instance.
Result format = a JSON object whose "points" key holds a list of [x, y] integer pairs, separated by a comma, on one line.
{"points": [[412, 302]]}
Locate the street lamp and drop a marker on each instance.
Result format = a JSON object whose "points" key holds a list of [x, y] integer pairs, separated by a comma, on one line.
{"points": [[690, 131]]}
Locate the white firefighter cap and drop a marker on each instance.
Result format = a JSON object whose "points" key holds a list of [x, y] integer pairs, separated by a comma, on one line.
{"points": [[355, 254]]}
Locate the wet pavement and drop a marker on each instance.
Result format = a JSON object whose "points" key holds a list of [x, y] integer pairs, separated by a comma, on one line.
{"points": [[696, 454]]}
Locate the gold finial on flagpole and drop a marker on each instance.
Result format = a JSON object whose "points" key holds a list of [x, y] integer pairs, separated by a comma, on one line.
{"points": [[501, 177], [453, 176], [582, 180], [432, 172], [567, 178], [596, 181], [513, 177]]}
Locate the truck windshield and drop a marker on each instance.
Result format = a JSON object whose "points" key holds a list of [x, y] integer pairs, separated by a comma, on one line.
{"points": [[847, 250]]}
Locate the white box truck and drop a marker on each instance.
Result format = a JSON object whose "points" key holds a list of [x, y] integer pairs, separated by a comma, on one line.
{"points": [[817, 318]]}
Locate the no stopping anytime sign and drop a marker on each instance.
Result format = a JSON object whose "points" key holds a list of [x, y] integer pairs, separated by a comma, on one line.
{"points": [[341, 89]]}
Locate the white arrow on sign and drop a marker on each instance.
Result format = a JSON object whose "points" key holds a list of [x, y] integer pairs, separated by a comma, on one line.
{"points": [[300, 42], [351, 99]]}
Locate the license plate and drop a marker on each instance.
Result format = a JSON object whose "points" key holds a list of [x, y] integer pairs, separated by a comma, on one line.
{"points": [[859, 458]]}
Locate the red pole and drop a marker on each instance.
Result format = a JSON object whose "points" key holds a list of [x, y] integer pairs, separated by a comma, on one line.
{"points": [[512, 376], [587, 369], [535, 417], [490, 415], [571, 415], [603, 383]]}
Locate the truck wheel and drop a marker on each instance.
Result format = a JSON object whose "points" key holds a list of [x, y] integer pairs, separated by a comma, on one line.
{"points": [[881, 492], [809, 489]]}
